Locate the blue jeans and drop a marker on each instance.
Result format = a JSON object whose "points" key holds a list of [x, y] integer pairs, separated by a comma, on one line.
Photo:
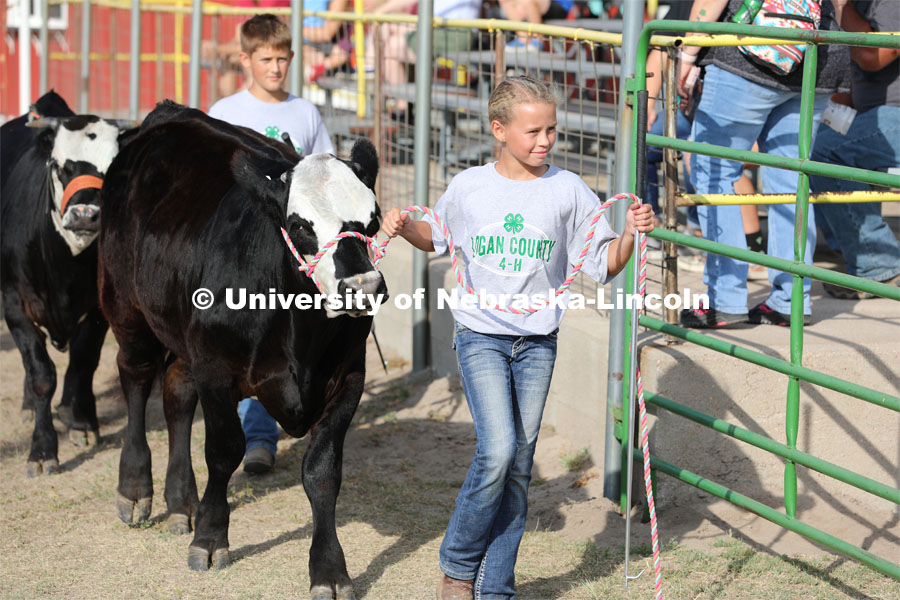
{"points": [[735, 112], [260, 429], [873, 142], [505, 379]]}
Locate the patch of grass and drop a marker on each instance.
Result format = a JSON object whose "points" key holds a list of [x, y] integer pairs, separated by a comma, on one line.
{"points": [[575, 461], [580, 570], [437, 416]]}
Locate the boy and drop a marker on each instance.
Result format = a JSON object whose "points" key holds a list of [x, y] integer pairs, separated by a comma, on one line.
{"points": [[265, 107]]}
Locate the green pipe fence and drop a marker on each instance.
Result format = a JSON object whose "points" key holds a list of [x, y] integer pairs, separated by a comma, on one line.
{"points": [[776, 364], [732, 34], [770, 514]]}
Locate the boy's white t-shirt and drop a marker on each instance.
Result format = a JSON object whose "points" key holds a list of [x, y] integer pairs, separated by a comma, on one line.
{"points": [[299, 117], [520, 237]]}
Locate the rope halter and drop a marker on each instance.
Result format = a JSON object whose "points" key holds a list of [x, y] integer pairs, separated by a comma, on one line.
{"points": [[309, 266], [81, 182]]}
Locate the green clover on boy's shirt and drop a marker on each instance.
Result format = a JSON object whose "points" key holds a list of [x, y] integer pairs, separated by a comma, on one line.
{"points": [[274, 132]]}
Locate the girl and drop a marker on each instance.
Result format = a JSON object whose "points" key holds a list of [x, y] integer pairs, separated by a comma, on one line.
{"points": [[520, 224]]}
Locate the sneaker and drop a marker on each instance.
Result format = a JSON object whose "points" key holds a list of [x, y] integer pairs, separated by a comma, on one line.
{"points": [[709, 318], [258, 460], [455, 589], [842, 293], [765, 314]]}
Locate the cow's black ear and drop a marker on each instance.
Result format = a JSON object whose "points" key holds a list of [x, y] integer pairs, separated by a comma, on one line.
{"points": [[364, 162], [254, 180], [46, 134]]}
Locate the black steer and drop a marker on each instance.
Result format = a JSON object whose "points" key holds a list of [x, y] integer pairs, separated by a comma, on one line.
{"points": [[195, 203], [53, 167]]}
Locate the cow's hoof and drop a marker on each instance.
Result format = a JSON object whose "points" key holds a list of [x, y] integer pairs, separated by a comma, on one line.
{"points": [[199, 559], [84, 438], [48, 467], [178, 524], [345, 593], [323, 592], [131, 512]]}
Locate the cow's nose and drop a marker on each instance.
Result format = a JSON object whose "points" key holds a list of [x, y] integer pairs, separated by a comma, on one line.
{"points": [[82, 217], [370, 284]]}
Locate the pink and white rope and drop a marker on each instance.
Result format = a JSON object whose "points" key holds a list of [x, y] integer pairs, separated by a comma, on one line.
{"points": [[378, 252], [648, 484]]}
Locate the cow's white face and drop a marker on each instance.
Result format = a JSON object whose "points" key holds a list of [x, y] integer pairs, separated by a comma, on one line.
{"points": [[82, 149], [327, 198]]}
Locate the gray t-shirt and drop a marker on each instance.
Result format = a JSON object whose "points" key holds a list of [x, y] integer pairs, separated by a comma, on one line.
{"points": [[299, 117], [871, 89], [519, 237]]}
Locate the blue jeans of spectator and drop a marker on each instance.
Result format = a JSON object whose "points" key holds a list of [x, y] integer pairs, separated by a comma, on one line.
{"points": [[873, 142], [735, 112], [505, 379], [260, 429], [655, 156]]}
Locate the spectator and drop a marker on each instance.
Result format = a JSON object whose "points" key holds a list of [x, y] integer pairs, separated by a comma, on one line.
{"points": [[399, 40], [656, 66], [872, 142], [744, 102], [326, 44], [267, 108], [534, 12]]}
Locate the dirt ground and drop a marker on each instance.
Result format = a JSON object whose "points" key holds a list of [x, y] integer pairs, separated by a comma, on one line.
{"points": [[405, 458]]}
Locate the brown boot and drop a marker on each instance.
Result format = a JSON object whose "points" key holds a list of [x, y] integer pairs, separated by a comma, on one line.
{"points": [[455, 589]]}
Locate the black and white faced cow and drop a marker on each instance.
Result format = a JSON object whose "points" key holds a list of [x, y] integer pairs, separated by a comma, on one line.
{"points": [[49, 215], [193, 203]]}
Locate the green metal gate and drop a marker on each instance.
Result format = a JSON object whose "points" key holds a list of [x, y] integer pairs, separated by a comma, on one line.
{"points": [[793, 369]]}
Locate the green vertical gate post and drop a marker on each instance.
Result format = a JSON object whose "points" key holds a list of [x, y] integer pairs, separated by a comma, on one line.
{"points": [[792, 412]]}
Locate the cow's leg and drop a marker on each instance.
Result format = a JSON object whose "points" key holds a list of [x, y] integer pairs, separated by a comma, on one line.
{"points": [[224, 451], [139, 361], [322, 481], [40, 384], [78, 406], [179, 404]]}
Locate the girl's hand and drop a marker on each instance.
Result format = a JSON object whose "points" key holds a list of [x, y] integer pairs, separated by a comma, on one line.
{"points": [[640, 217], [394, 222]]}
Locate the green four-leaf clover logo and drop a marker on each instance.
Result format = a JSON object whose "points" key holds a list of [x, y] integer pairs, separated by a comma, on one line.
{"points": [[272, 131], [514, 223]]}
